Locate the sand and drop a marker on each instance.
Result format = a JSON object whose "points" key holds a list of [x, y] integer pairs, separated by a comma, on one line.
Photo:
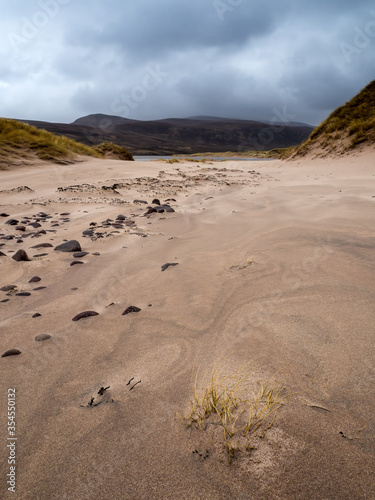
{"points": [[275, 268]]}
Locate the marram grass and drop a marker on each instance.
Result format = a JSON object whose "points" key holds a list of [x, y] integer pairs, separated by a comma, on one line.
{"points": [[242, 407]]}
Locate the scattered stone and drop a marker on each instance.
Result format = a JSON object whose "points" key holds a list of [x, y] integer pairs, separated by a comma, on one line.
{"points": [[23, 294], [88, 232], [131, 309], [150, 210], [11, 352], [36, 315], [75, 262], [42, 337], [79, 255], [35, 224], [140, 201], [35, 279], [40, 255], [43, 245], [12, 222], [96, 253], [120, 217], [39, 288], [155, 202], [21, 256], [165, 266], [20, 228], [19, 241], [85, 314], [8, 288], [2, 254], [65, 213], [170, 199], [4, 215], [5, 300], [69, 246]]}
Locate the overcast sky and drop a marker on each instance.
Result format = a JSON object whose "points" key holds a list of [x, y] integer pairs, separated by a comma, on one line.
{"points": [[293, 60]]}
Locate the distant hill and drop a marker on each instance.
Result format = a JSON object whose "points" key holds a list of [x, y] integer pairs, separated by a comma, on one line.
{"points": [[179, 135], [349, 126]]}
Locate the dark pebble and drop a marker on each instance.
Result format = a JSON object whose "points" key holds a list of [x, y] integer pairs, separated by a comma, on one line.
{"points": [[39, 288], [35, 224], [36, 315], [19, 241], [23, 294], [20, 228], [131, 309], [11, 352], [140, 201], [65, 213], [12, 222], [69, 246], [85, 314], [42, 337], [21, 256], [43, 245], [40, 255], [4, 215], [8, 288], [88, 232], [150, 211], [96, 253], [120, 217], [165, 266], [75, 262], [2, 254], [155, 202], [35, 279], [5, 300], [79, 255]]}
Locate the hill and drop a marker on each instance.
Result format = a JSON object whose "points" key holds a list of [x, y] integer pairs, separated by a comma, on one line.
{"points": [[349, 126], [179, 135], [21, 143]]}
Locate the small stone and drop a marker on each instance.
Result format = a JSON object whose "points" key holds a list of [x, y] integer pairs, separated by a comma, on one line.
{"points": [[35, 225], [2, 254], [76, 262], [23, 294], [39, 288], [35, 279], [140, 201], [96, 253], [36, 315], [4, 215], [120, 217], [11, 352], [79, 255], [85, 314], [40, 255], [20, 228], [42, 337], [131, 309], [43, 245], [165, 266], [5, 300], [155, 202], [69, 246], [8, 288], [12, 222], [21, 256]]}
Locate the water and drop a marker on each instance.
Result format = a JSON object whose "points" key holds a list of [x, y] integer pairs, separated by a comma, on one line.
{"points": [[217, 158]]}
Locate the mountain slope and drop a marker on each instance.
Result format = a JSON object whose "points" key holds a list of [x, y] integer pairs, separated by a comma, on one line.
{"points": [[346, 128], [178, 135]]}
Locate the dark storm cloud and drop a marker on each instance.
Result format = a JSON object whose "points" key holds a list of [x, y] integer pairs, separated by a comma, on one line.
{"points": [[60, 59]]}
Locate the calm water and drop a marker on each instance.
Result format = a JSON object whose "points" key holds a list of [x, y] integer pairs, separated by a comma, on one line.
{"points": [[149, 158]]}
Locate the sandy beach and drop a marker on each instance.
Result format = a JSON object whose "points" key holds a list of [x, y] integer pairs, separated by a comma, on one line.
{"points": [[274, 268]]}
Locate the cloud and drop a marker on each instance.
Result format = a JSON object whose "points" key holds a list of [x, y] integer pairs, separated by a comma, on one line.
{"points": [[232, 58]]}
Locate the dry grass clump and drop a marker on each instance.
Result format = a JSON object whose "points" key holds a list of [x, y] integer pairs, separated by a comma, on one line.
{"points": [[242, 407], [20, 140], [113, 150]]}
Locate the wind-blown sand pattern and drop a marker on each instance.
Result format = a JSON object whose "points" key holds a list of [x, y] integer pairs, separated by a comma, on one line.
{"points": [[275, 267]]}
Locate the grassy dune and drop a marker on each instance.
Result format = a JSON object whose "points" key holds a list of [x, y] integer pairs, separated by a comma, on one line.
{"points": [[23, 143], [346, 128]]}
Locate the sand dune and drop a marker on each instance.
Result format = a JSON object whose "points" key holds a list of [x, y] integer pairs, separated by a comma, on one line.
{"points": [[275, 267]]}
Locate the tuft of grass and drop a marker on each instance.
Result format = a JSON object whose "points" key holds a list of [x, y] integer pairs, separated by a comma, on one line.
{"points": [[111, 149], [244, 409]]}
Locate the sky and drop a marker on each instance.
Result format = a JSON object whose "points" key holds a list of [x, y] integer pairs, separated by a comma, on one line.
{"points": [[267, 60]]}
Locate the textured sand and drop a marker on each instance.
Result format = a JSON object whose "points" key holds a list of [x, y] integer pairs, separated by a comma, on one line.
{"points": [[302, 311]]}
